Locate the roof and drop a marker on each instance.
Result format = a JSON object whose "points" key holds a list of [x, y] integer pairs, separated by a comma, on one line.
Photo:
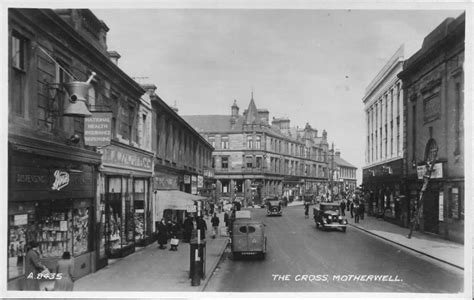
{"points": [[214, 123], [343, 163]]}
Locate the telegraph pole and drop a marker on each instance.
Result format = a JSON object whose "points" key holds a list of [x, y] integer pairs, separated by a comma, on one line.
{"points": [[426, 180]]}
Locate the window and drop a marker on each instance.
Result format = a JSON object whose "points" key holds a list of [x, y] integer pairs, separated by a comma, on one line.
{"points": [[258, 162], [431, 150], [413, 132], [18, 81], [249, 142], [212, 141], [213, 164], [248, 161], [225, 162], [258, 140], [458, 120], [225, 142]]}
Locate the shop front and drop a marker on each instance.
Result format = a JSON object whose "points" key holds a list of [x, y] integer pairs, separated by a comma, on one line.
{"points": [[124, 201], [51, 201]]}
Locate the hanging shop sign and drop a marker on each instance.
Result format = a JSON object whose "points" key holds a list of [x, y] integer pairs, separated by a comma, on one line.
{"points": [[122, 157], [437, 171], [193, 185], [97, 129]]}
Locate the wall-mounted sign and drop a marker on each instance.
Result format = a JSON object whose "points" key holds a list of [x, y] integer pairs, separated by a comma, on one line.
{"points": [[191, 208], [61, 180], [187, 179], [97, 129], [123, 157], [200, 181], [437, 171], [163, 181], [441, 206]]}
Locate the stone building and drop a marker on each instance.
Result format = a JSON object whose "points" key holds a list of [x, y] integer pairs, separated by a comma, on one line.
{"points": [[433, 84], [383, 172], [344, 175], [254, 159], [66, 191], [182, 171]]}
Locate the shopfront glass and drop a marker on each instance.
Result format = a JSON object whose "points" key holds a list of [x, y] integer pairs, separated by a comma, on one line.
{"points": [[119, 219], [57, 225], [139, 202]]}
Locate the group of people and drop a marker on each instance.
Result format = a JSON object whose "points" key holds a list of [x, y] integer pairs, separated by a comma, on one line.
{"points": [[36, 272], [355, 206]]}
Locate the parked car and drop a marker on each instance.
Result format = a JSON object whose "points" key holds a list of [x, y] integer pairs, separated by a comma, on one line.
{"points": [[328, 215], [248, 238]]}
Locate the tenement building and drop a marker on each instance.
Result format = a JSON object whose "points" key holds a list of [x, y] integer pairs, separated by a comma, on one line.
{"points": [[433, 84], [254, 159], [383, 171]]}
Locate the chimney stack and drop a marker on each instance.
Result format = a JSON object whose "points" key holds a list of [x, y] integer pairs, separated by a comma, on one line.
{"points": [[114, 56]]}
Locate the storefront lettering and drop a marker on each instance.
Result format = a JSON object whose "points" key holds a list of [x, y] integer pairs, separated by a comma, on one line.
{"points": [[128, 159], [24, 178], [61, 180]]}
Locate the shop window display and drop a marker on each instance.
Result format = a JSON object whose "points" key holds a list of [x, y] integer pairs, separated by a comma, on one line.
{"points": [[114, 226], [17, 243], [53, 233], [80, 230]]}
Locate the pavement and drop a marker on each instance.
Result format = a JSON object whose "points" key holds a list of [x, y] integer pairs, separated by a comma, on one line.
{"points": [[155, 270], [427, 244]]}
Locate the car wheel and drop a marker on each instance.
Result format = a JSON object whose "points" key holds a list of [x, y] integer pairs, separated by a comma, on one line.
{"points": [[343, 229], [262, 256], [317, 225]]}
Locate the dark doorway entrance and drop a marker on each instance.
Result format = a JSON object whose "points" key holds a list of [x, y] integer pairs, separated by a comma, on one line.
{"points": [[431, 211]]}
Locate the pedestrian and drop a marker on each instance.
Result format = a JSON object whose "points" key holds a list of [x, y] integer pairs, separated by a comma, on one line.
{"points": [[226, 221], [188, 229], [352, 209], [33, 266], [202, 227], [65, 267], [306, 209], [343, 207], [356, 211], [215, 225], [162, 234], [173, 235], [361, 209]]}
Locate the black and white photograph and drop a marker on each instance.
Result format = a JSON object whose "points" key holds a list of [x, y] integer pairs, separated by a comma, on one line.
{"points": [[196, 149]]}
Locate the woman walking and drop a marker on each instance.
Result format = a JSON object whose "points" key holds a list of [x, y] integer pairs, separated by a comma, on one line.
{"points": [[33, 266], [65, 267], [162, 234]]}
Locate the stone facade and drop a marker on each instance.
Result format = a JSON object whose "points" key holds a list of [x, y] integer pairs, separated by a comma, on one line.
{"points": [[434, 109], [253, 159]]}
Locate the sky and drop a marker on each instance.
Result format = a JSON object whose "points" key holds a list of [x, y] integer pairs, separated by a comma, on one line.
{"points": [[310, 65]]}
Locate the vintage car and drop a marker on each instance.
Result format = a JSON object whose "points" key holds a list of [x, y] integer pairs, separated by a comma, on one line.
{"points": [[274, 207], [248, 237], [328, 215]]}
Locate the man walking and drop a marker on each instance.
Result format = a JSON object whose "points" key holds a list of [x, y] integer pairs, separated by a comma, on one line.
{"points": [[343, 207], [215, 225]]}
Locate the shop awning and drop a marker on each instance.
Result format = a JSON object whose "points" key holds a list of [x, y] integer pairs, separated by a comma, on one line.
{"points": [[177, 200]]}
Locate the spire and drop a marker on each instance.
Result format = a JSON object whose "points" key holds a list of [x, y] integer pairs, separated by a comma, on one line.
{"points": [[252, 113]]}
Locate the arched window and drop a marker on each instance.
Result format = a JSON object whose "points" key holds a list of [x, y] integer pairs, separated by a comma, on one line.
{"points": [[431, 150]]}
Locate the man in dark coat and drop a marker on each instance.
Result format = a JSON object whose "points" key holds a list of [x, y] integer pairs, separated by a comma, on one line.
{"points": [[215, 225], [188, 229], [343, 207], [162, 234], [202, 227], [33, 266]]}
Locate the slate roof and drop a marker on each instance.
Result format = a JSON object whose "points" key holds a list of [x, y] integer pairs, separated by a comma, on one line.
{"points": [[341, 162]]}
